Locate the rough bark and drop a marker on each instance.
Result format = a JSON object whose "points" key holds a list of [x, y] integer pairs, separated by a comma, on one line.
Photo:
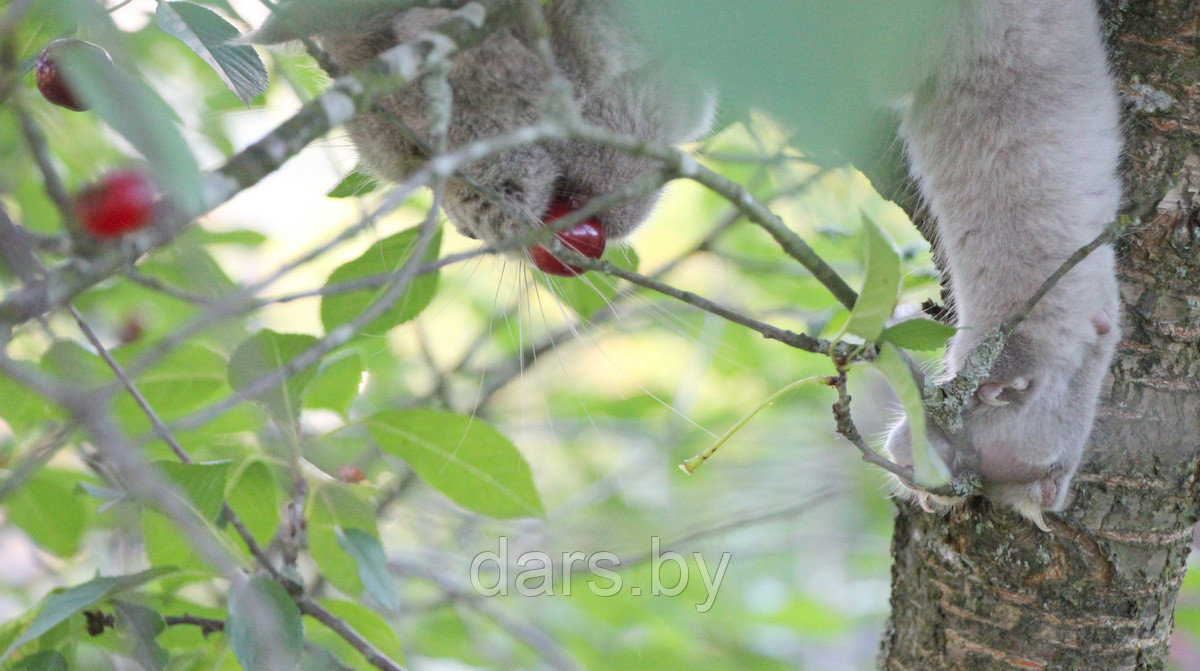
{"points": [[983, 590]]}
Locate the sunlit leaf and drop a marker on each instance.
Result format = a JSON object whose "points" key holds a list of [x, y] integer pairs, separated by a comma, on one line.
{"points": [[919, 334], [461, 456], [209, 35], [357, 183], [877, 300]]}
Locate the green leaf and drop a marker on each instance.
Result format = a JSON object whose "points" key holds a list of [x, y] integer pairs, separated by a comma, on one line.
{"points": [[141, 625], [294, 19], [202, 484], [236, 238], [928, 469], [470, 462], [57, 527], [367, 552], [255, 497], [135, 111], [65, 602], [264, 627], [166, 545], [266, 352], [46, 660], [590, 293], [830, 70], [209, 35], [21, 410], [372, 627], [357, 183], [336, 506], [180, 383], [919, 334], [337, 382], [877, 301], [385, 256]]}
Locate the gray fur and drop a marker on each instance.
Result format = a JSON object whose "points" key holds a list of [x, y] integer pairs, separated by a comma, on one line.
{"points": [[1015, 141], [501, 84]]}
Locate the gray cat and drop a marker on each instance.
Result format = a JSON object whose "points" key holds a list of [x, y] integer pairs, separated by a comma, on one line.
{"points": [[502, 84], [1014, 140]]}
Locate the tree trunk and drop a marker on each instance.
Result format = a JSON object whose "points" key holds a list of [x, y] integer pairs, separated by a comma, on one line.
{"points": [[985, 590]]}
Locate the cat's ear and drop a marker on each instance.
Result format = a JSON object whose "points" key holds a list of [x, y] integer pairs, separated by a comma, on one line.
{"points": [[678, 106]]}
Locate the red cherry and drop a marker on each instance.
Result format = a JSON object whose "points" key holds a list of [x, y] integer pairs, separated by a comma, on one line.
{"points": [[585, 237], [122, 201], [50, 78]]}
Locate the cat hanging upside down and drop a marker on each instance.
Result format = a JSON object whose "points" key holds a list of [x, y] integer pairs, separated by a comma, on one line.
{"points": [[1013, 137]]}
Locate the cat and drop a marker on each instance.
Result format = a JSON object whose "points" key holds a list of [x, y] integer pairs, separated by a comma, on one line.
{"points": [[1013, 138], [501, 84]]}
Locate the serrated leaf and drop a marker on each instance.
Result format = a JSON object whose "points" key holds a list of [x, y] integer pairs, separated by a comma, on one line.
{"points": [[65, 602], [264, 628], [209, 35], [385, 256], [470, 462], [877, 301], [919, 334], [588, 294], [367, 552], [357, 183], [137, 112], [266, 352], [928, 469]]}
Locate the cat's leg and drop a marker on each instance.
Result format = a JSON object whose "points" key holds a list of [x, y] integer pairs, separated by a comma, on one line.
{"points": [[1015, 143]]}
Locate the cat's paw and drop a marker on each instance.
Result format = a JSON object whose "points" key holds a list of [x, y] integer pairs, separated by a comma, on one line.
{"points": [[1027, 424]]}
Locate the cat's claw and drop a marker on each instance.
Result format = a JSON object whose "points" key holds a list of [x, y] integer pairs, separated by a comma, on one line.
{"points": [[1032, 512], [989, 394], [923, 501]]}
